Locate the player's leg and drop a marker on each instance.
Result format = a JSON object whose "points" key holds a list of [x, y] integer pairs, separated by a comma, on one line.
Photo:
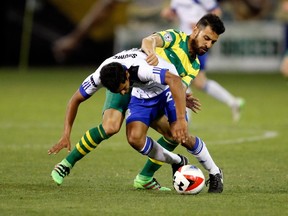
{"points": [[137, 125], [196, 147], [199, 150], [111, 124], [113, 116], [162, 126], [139, 140], [214, 89]]}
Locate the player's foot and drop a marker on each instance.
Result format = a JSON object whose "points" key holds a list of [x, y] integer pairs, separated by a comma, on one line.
{"points": [[184, 161], [215, 182], [236, 109], [150, 184], [60, 170]]}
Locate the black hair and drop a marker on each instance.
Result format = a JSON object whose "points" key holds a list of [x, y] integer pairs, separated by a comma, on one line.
{"points": [[213, 21], [112, 75]]}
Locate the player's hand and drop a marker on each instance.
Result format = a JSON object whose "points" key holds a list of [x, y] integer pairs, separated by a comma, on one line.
{"points": [[63, 47], [64, 142], [152, 59], [179, 130], [193, 103], [168, 14]]}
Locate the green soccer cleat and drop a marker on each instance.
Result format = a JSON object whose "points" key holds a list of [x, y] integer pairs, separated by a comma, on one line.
{"points": [[150, 184], [60, 170]]}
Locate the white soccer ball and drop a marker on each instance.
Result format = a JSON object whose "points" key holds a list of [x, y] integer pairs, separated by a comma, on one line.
{"points": [[188, 179]]}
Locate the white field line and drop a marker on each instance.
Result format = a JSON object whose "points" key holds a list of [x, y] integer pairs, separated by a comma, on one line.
{"points": [[265, 135]]}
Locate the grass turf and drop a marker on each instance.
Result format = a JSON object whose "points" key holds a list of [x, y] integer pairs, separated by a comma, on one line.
{"points": [[252, 154]]}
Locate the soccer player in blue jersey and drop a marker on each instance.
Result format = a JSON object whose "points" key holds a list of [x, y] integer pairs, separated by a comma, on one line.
{"points": [[151, 101], [153, 81], [116, 105]]}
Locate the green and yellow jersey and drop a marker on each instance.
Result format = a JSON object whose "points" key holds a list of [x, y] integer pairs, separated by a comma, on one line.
{"points": [[175, 50]]}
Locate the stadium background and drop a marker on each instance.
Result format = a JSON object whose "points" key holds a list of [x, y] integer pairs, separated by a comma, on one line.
{"points": [[254, 40]]}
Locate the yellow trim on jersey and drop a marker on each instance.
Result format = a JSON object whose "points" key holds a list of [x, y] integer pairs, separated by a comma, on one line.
{"points": [[156, 161], [175, 50]]}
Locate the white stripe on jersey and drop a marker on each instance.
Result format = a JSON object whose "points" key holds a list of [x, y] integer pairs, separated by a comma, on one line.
{"points": [[86, 85], [156, 70]]}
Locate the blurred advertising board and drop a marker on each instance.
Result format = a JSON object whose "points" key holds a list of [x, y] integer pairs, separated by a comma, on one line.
{"points": [[256, 46]]}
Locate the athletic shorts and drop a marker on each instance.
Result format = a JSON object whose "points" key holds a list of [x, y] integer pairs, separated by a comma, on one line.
{"points": [[116, 101], [147, 110]]}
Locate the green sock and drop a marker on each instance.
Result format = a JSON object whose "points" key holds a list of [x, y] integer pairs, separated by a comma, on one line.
{"points": [[89, 141], [152, 165]]}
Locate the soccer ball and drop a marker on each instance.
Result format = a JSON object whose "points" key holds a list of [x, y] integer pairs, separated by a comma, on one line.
{"points": [[188, 179]]}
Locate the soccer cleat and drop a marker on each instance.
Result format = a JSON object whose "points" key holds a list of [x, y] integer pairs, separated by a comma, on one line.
{"points": [[59, 172], [215, 182], [236, 109], [184, 161], [150, 184]]}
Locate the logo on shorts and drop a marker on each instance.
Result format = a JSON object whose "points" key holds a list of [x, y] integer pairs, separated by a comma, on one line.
{"points": [[168, 37], [128, 113]]}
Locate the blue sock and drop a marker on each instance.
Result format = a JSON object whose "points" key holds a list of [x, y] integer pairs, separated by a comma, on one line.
{"points": [[197, 148]]}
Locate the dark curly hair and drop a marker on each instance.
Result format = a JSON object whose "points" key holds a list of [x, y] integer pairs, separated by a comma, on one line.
{"points": [[112, 75], [213, 21]]}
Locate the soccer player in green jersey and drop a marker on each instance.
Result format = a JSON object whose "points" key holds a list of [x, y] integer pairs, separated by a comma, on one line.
{"points": [[188, 13], [185, 50], [182, 50]]}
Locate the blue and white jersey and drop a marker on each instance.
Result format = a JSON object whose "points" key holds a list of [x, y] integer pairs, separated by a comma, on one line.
{"points": [[191, 11], [148, 81]]}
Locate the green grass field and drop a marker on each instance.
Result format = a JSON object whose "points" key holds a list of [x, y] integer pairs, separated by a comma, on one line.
{"points": [[253, 154]]}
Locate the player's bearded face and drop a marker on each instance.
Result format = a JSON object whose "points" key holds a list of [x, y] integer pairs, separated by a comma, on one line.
{"points": [[203, 40], [196, 47]]}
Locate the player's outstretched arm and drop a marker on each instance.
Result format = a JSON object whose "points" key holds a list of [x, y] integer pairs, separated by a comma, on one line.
{"points": [[65, 45], [179, 128], [70, 116]]}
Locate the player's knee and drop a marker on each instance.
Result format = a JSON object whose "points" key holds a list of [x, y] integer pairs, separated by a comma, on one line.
{"points": [[111, 129], [136, 139]]}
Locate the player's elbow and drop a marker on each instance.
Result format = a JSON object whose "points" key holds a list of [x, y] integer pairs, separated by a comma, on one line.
{"points": [[173, 80], [145, 42]]}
